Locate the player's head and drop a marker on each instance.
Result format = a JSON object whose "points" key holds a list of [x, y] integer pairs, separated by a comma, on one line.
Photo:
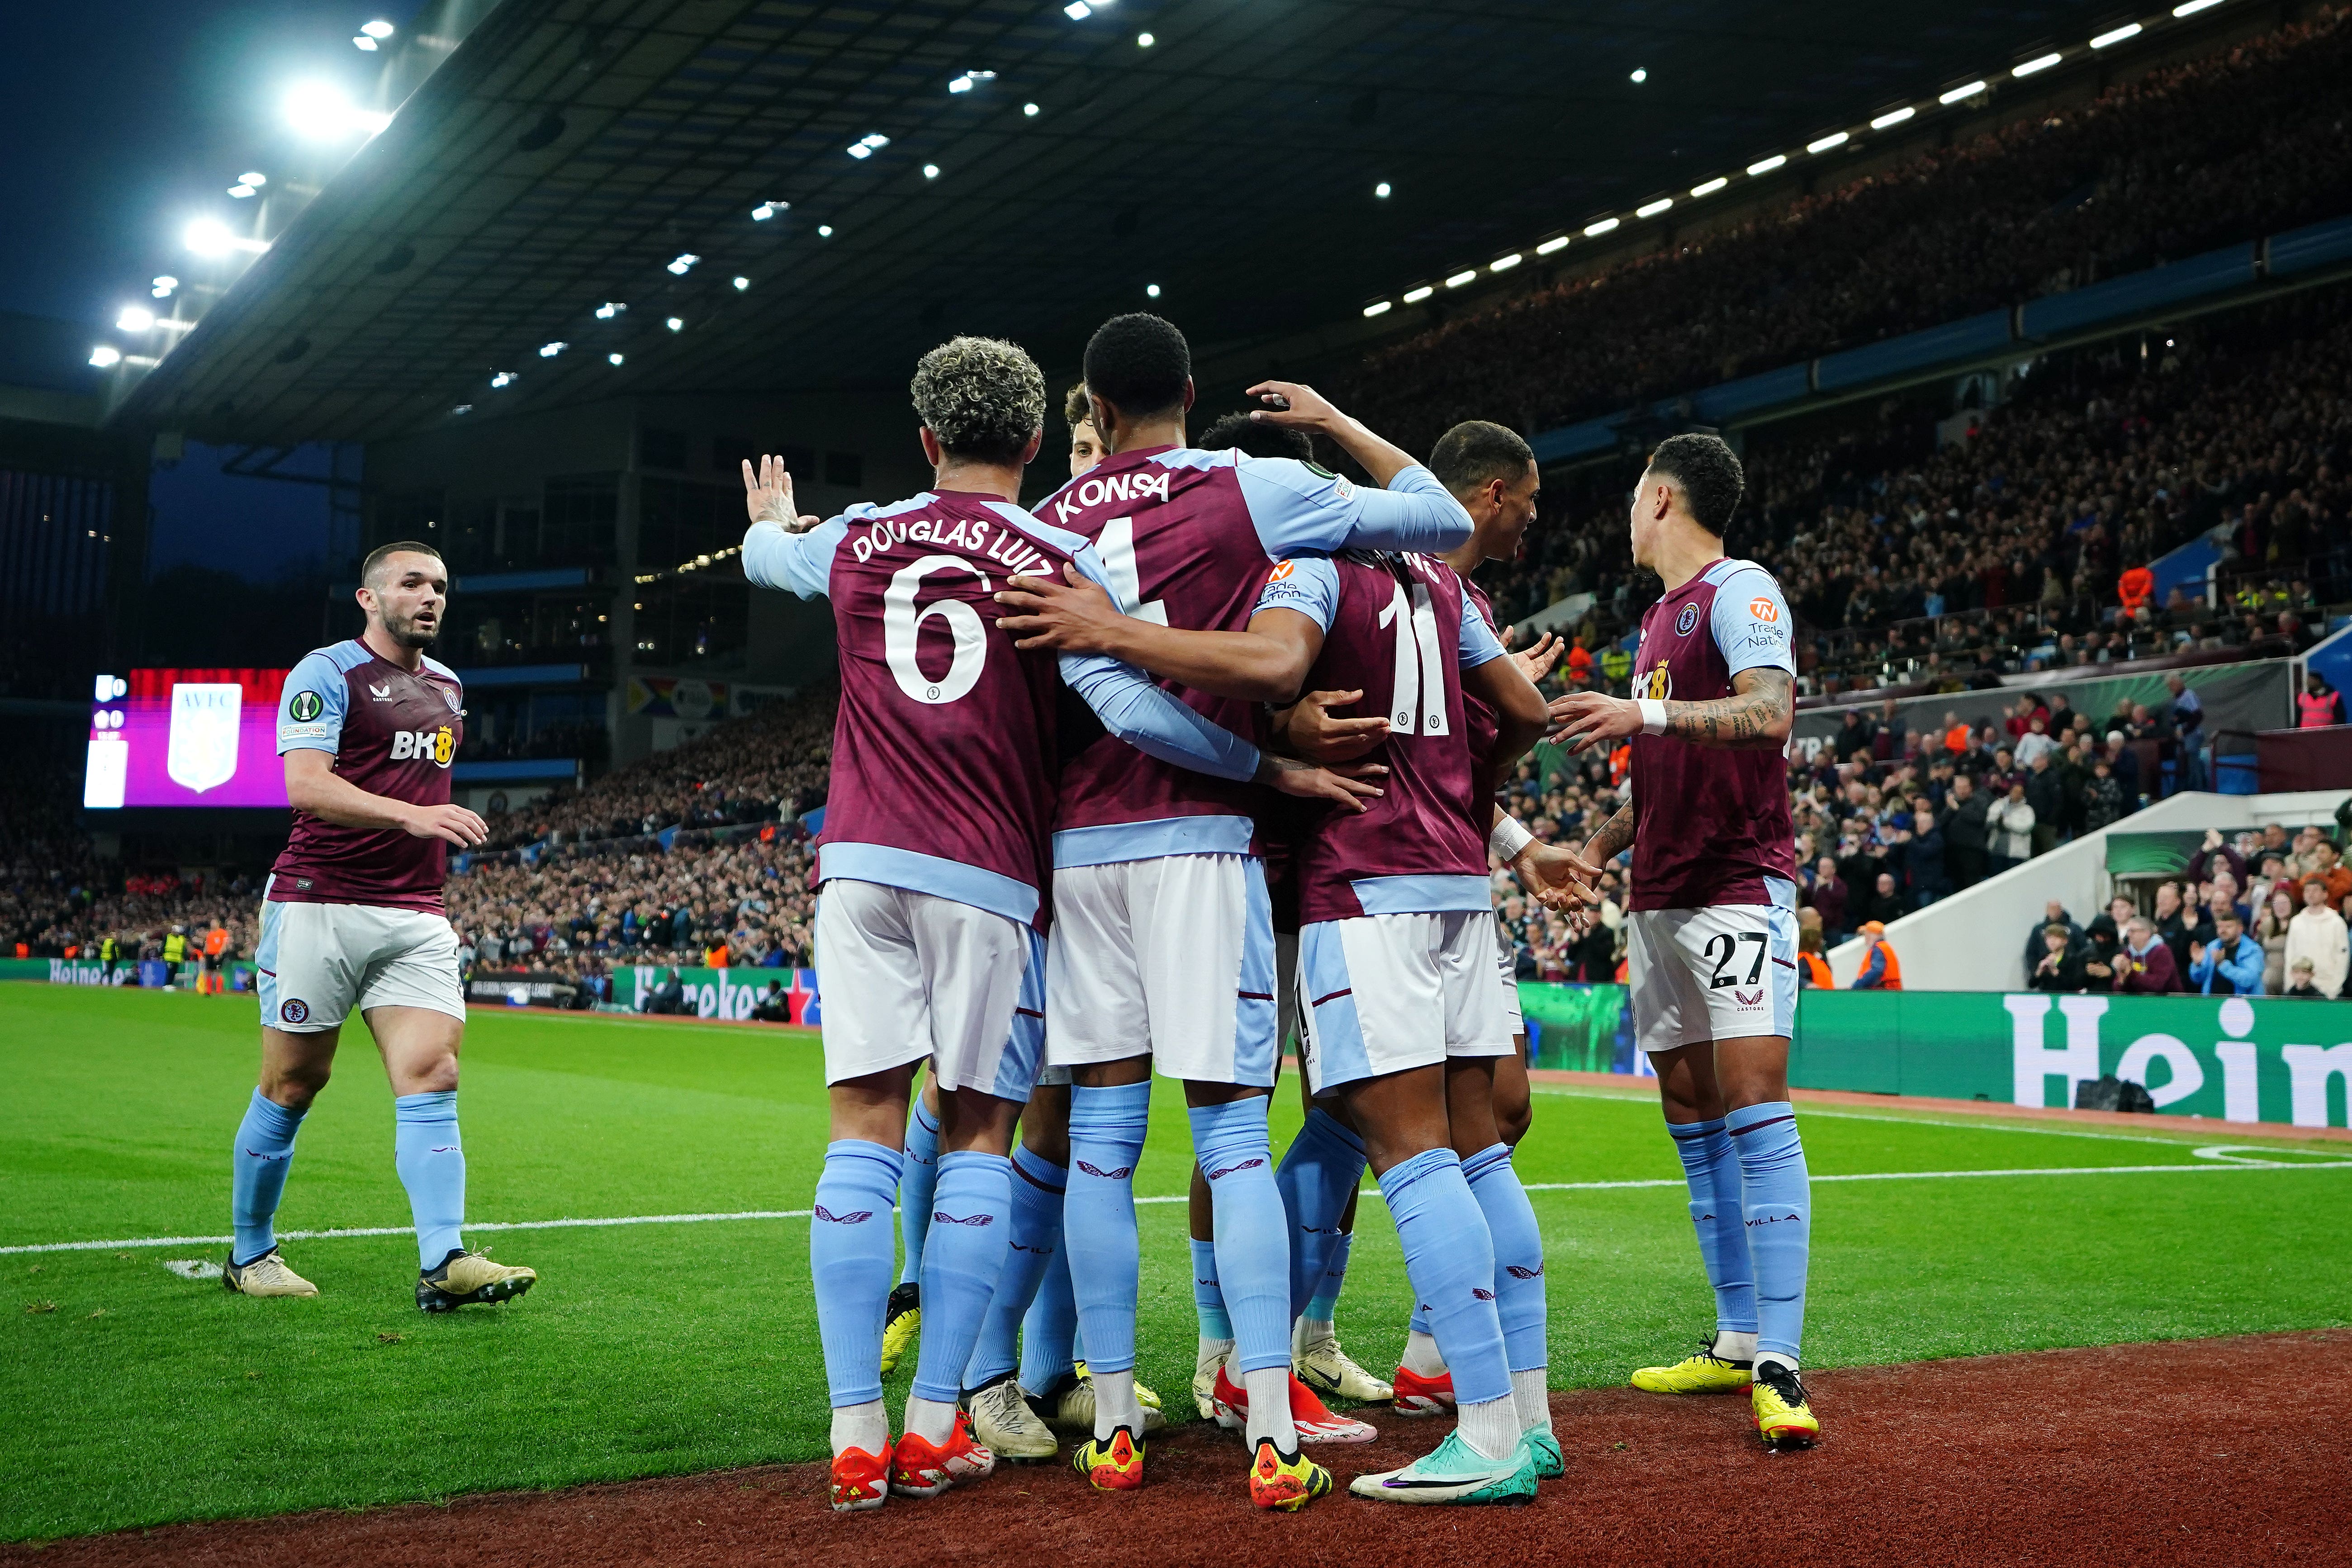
{"points": [[1493, 474], [1087, 446], [1138, 368], [1256, 438], [1692, 481], [981, 400], [403, 587]]}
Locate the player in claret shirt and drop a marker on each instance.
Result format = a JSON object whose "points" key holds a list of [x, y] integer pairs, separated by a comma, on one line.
{"points": [[945, 740], [1163, 943], [352, 917], [1396, 971], [1712, 923]]}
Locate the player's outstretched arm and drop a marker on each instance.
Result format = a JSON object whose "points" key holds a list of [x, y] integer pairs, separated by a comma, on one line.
{"points": [[1612, 839], [314, 785], [1755, 716], [1153, 721], [1301, 407], [1267, 663]]}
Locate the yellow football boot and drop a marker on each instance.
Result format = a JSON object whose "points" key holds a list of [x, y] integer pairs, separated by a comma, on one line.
{"points": [[1285, 1484], [1782, 1416], [1114, 1464], [1704, 1372], [902, 1324]]}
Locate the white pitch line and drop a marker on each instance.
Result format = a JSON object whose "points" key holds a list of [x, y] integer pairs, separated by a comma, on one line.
{"points": [[2187, 1131], [1165, 1198], [470, 1225]]}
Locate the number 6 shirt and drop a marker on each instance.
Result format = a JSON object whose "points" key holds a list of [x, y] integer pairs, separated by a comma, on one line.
{"points": [[944, 748]]}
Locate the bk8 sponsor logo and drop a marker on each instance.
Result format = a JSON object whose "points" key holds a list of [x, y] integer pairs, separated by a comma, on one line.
{"points": [[435, 746]]}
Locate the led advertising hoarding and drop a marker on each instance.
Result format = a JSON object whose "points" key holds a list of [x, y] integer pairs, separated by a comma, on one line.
{"points": [[185, 737]]}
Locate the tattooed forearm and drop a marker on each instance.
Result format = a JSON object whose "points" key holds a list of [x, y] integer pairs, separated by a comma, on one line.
{"points": [[1756, 714], [1614, 837]]}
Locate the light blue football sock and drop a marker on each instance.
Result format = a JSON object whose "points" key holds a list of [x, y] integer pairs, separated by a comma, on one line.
{"points": [[1325, 1302], [917, 1175], [1049, 1334], [1106, 1129], [1711, 1167], [850, 1249], [1450, 1260], [1320, 1172], [1253, 1244], [1035, 1241], [257, 1164], [431, 1160], [962, 1259], [1776, 1201], [1518, 1255], [1208, 1294]]}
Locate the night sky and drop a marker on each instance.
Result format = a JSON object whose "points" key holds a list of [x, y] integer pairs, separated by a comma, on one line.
{"points": [[124, 121]]}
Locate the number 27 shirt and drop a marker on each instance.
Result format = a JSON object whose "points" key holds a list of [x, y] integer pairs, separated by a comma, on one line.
{"points": [[944, 751]]}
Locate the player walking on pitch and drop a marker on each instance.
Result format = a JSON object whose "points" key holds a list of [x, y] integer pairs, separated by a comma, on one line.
{"points": [[1712, 917], [352, 917], [945, 738]]}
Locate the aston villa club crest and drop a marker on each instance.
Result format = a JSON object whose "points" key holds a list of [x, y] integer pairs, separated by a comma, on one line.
{"points": [[450, 697], [1687, 622], [203, 752]]}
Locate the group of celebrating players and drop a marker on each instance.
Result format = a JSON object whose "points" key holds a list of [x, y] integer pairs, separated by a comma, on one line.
{"points": [[1202, 748]]}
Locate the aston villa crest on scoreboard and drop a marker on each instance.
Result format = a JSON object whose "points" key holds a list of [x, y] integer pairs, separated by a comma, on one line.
{"points": [[202, 753]]}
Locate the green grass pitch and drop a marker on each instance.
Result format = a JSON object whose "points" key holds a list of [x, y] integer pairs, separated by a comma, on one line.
{"points": [[134, 1396]]}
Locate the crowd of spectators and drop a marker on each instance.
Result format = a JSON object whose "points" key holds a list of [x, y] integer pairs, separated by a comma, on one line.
{"points": [[2261, 916], [2023, 544], [2179, 160]]}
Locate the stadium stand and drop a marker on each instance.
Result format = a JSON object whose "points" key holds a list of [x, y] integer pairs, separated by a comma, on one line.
{"points": [[2185, 158], [2001, 550]]}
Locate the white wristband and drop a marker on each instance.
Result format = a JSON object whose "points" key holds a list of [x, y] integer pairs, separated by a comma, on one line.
{"points": [[1653, 715], [1509, 837]]}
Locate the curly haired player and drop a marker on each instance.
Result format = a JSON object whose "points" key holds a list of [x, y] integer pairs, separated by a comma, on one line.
{"points": [[947, 738]]}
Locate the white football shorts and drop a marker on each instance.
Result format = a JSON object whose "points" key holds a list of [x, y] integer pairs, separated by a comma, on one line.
{"points": [[907, 976], [1171, 956], [318, 963], [1507, 958], [1384, 993], [1722, 972]]}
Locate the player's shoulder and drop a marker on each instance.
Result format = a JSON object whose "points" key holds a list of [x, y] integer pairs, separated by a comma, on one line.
{"points": [[334, 661], [867, 512], [434, 667], [1730, 566], [1036, 530]]}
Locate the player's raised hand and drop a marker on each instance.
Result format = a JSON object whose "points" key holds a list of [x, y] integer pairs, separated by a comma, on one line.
{"points": [[1297, 405], [450, 823], [1071, 616], [1348, 787], [1309, 729], [1587, 719], [1537, 662], [767, 495]]}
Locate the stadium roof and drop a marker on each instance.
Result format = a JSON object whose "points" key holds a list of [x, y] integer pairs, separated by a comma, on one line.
{"points": [[569, 152]]}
